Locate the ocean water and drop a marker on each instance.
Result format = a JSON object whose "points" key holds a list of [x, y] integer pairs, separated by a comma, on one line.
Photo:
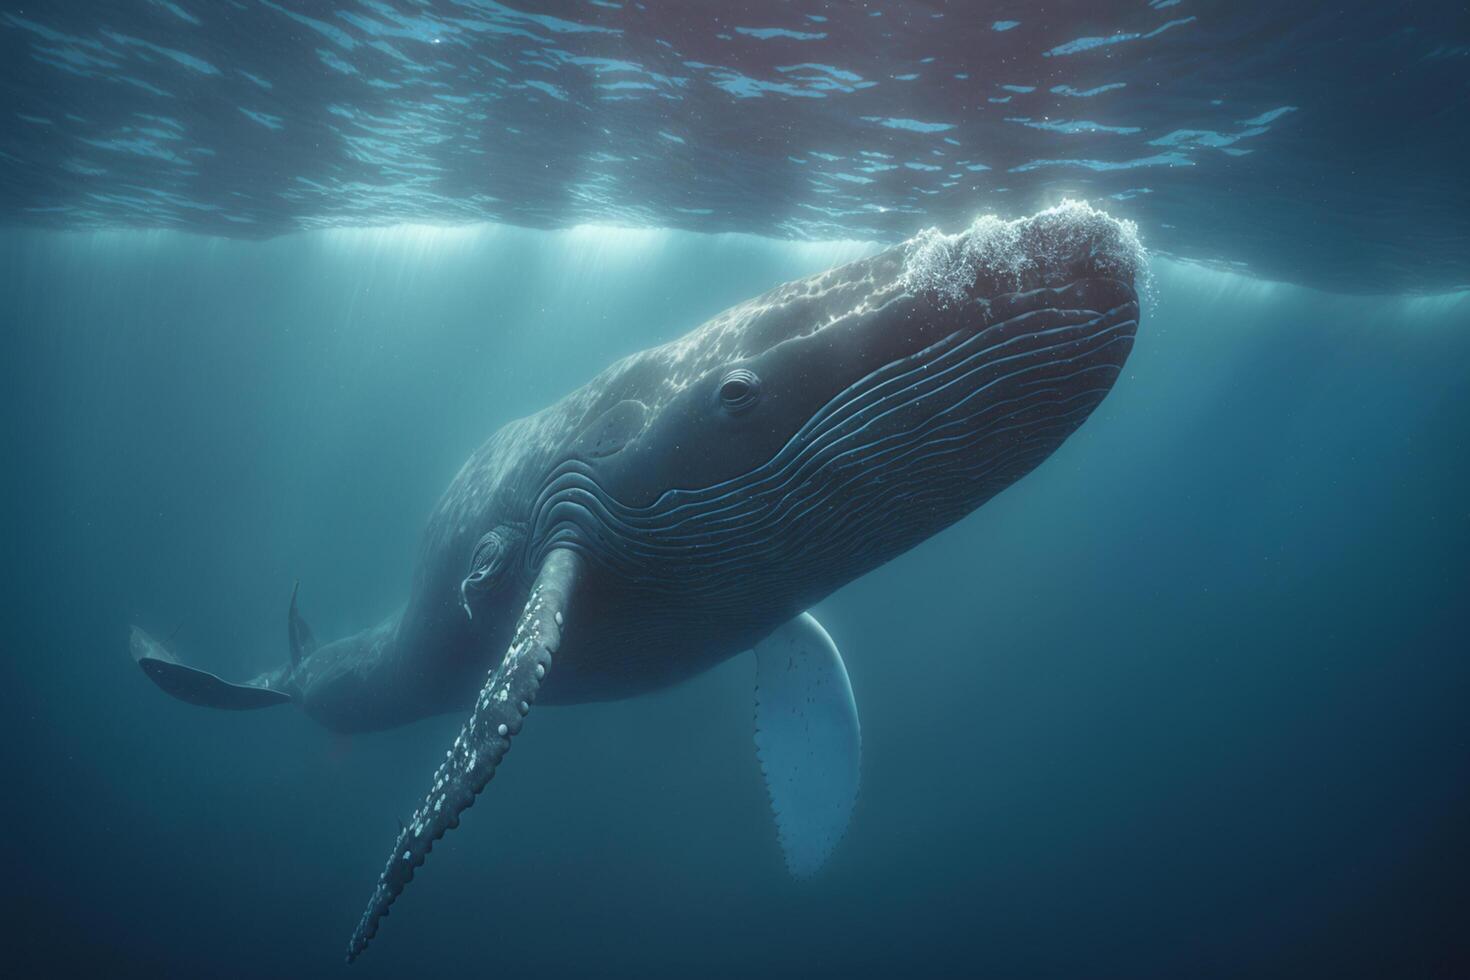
{"points": [[1188, 700]]}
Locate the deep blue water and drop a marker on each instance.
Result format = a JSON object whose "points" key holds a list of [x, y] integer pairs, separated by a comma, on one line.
{"points": [[1187, 701]]}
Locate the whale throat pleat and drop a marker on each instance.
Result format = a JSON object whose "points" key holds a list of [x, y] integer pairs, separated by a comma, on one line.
{"points": [[944, 428]]}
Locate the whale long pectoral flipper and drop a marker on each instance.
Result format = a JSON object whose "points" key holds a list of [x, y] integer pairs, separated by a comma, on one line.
{"points": [[807, 739], [199, 686], [503, 703]]}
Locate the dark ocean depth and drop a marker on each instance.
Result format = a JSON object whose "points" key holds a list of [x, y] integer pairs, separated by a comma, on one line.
{"points": [[1189, 700]]}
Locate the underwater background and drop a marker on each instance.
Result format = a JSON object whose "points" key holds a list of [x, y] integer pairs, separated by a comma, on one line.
{"points": [[1187, 701]]}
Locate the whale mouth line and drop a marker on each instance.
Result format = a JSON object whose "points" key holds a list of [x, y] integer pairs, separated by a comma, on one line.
{"points": [[1008, 393]]}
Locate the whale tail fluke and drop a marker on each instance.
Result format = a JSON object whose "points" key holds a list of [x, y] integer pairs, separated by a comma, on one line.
{"points": [[200, 686]]}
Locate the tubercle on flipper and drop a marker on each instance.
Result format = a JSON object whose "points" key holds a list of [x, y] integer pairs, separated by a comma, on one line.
{"points": [[469, 765]]}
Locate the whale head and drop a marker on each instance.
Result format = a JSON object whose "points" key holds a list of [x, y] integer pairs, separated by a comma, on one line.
{"points": [[806, 436]]}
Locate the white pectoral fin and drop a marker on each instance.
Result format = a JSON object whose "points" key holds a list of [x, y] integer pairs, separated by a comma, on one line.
{"points": [[807, 739]]}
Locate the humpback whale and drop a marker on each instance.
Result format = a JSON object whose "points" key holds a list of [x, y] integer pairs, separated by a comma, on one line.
{"points": [[692, 501]]}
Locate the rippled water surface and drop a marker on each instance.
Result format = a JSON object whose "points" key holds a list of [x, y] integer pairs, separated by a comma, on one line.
{"points": [[1314, 143]]}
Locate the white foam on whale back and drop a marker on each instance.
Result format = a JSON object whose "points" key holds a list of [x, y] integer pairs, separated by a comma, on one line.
{"points": [[1012, 253]]}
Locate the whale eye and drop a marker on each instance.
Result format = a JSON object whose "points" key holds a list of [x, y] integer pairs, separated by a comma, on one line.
{"points": [[487, 560], [739, 390]]}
